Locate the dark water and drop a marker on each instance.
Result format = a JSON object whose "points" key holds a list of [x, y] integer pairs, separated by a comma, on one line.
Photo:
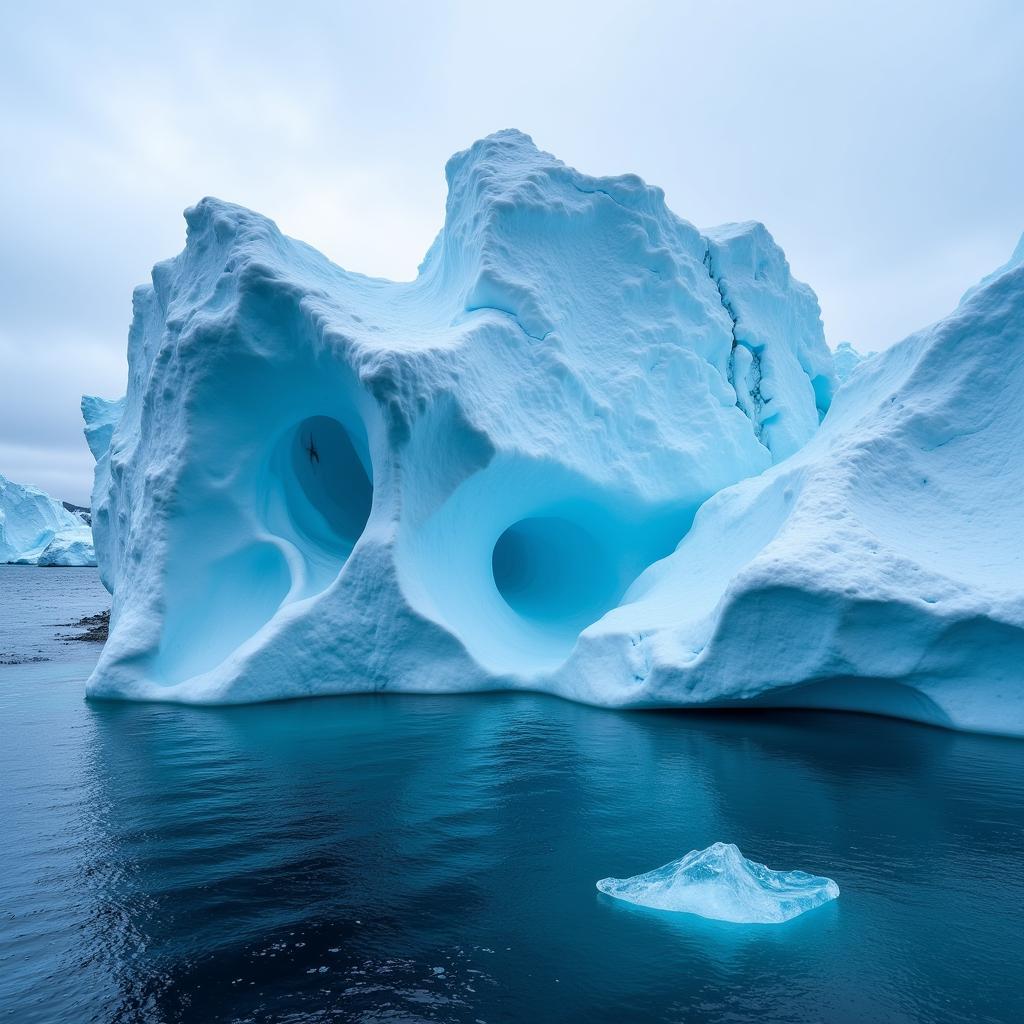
{"points": [[38, 609], [433, 859]]}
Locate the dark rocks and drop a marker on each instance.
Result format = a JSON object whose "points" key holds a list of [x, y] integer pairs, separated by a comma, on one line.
{"points": [[96, 628]]}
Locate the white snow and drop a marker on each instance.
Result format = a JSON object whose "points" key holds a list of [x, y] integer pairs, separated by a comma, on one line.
{"points": [[488, 477], [721, 884], [37, 530]]}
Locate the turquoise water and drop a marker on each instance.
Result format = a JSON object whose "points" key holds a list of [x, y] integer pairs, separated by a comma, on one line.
{"points": [[389, 858]]}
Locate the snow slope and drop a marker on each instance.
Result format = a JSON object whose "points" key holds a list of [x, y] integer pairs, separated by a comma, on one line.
{"points": [[881, 568], [37, 530], [488, 477]]}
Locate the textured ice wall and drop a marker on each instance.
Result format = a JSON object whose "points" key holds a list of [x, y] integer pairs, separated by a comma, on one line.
{"points": [[881, 568], [321, 482], [487, 477]]}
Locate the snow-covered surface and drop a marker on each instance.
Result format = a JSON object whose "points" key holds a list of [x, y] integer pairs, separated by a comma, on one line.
{"points": [[37, 530], [881, 568], [488, 477], [721, 884], [1016, 260]]}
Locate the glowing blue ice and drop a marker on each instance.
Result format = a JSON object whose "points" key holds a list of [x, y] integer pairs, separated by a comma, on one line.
{"points": [[721, 884]]}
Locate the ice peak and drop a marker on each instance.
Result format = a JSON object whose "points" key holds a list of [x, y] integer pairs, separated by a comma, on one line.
{"points": [[216, 219], [509, 172], [1016, 260]]}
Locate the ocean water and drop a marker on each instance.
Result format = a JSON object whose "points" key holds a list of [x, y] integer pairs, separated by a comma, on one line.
{"points": [[390, 858]]}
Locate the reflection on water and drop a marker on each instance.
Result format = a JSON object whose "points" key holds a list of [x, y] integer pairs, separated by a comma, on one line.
{"points": [[417, 858]]}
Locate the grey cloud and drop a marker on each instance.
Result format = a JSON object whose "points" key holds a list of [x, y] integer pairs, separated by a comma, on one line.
{"points": [[880, 143]]}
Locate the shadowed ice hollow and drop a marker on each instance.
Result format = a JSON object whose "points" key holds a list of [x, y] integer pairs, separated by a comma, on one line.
{"points": [[721, 884]]}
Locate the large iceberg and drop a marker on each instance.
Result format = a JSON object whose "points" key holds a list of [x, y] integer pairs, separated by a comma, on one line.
{"points": [[721, 884], [35, 529], [489, 477], [321, 482]]}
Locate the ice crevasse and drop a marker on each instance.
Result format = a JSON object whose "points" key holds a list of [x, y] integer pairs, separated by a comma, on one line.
{"points": [[579, 453]]}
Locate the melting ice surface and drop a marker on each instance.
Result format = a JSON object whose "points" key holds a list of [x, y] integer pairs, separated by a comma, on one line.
{"points": [[721, 884]]}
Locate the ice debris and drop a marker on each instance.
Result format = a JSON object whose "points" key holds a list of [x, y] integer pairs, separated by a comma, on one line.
{"points": [[721, 884]]}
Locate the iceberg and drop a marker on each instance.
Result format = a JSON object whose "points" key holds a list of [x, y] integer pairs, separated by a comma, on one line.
{"points": [[71, 547], [35, 529], [879, 569], [589, 450], [719, 883], [319, 482], [845, 360]]}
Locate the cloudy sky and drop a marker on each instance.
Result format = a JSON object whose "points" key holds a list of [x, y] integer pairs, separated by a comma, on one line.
{"points": [[881, 143]]}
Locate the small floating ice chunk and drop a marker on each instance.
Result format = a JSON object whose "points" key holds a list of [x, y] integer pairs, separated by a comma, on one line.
{"points": [[721, 884]]}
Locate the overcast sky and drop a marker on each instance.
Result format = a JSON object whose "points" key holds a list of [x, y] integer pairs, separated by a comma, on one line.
{"points": [[882, 144]]}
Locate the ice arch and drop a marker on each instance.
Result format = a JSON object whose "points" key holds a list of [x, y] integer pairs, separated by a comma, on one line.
{"points": [[524, 556]]}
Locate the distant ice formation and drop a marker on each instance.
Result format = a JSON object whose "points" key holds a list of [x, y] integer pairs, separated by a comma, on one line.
{"points": [[879, 569], [37, 530], [721, 884], [845, 360], [490, 477]]}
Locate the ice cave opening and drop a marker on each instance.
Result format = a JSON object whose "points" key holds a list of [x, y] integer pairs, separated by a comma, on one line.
{"points": [[554, 572], [327, 484]]}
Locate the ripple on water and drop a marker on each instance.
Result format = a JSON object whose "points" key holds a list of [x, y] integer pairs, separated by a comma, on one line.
{"points": [[417, 858]]}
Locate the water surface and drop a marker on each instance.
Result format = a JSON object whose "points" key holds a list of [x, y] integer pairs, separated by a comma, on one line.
{"points": [[389, 858]]}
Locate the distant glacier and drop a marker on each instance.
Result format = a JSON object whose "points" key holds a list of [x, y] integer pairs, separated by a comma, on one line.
{"points": [[36, 529]]}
